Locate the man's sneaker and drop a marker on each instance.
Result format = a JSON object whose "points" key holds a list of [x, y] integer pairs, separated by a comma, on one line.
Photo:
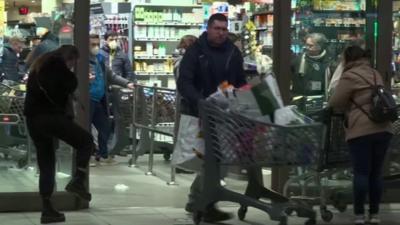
{"points": [[222, 182], [51, 216], [93, 162], [107, 161], [76, 187], [359, 220], [374, 219], [215, 215]]}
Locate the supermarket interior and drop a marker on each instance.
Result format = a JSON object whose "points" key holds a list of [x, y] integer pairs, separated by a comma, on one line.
{"points": [[143, 185]]}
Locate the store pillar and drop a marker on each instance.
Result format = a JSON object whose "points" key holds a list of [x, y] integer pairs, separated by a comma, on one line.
{"points": [[384, 41], [281, 51]]}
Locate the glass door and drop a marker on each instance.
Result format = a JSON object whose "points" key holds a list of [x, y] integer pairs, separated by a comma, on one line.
{"points": [[321, 30], [28, 25]]}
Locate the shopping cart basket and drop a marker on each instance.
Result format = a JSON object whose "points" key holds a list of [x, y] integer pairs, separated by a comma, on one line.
{"points": [[232, 139]]}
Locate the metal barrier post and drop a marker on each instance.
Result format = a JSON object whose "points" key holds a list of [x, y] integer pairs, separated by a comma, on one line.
{"points": [[176, 128], [132, 129], [153, 124]]}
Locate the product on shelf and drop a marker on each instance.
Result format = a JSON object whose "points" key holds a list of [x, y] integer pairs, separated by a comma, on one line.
{"points": [[157, 29]]}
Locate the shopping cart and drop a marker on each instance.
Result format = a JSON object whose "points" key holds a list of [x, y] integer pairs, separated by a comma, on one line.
{"points": [[154, 115], [232, 139], [13, 134], [325, 185]]}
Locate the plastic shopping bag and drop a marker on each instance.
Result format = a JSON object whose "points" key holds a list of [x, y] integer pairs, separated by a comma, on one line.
{"points": [[267, 95], [289, 115], [189, 146]]}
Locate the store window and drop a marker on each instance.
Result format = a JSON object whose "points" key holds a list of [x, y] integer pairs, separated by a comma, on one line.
{"points": [[321, 30], [24, 25], [396, 47], [149, 31]]}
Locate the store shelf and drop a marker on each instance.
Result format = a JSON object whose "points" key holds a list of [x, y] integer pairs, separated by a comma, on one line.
{"points": [[263, 13], [158, 39], [175, 24], [338, 11], [340, 25], [169, 5], [145, 57], [160, 73], [270, 28]]}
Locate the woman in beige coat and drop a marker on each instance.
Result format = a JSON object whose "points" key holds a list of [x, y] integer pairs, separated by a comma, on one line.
{"points": [[368, 141]]}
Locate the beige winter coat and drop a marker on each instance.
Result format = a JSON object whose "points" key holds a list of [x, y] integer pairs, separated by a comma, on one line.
{"points": [[351, 86]]}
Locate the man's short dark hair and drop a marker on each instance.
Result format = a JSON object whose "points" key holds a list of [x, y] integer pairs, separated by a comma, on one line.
{"points": [[217, 16], [94, 36], [110, 34]]}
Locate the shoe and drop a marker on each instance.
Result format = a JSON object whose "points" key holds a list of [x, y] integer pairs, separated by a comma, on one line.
{"points": [[107, 161], [76, 187], [52, 217], [189, 208], [222, 182], [182, 171], [374, 219], [215, 215], [50, 214], [93, 162], [359, 220]]}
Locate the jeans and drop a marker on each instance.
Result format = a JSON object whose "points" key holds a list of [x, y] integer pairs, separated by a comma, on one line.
{"points": [[99, 118], [368, 156], [44, 129]]}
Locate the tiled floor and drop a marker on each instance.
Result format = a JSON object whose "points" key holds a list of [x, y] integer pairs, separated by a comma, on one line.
{"points": [[126, 196]]}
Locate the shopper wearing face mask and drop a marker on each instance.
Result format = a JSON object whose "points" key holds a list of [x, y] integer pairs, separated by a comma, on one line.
{"points": [[115, 58], [100, 78]]}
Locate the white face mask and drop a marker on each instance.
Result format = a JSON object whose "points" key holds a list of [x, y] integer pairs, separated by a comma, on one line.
{"points": [[95, 50], [113, 45]]}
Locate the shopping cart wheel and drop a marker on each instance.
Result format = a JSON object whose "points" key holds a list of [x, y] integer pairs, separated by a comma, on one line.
{"points": [[289, 211], [242, 212], [167, 156], [311, 222], [341, 206], [326, 215], [283, 220], [197, 216]]}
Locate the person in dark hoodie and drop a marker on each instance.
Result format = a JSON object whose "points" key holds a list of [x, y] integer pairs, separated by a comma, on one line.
{"points": [[211, 60], [10, 59], [115, 58], [48, 111]]}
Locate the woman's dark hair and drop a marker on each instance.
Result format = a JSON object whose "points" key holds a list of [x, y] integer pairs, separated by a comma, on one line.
{"points": [[217, 16], [110, 34], [354, 53], [66, 52]]}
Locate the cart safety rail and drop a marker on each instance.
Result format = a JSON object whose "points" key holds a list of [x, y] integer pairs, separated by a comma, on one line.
{"points": [[154, 110], [233, 139]]}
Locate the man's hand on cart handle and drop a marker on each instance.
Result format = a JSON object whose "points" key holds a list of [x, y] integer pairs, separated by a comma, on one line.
{"points": [[130, 85]]}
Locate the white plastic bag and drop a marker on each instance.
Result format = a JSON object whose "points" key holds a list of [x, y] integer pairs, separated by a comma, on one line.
{"points": [[289, 115], [189, 144]]}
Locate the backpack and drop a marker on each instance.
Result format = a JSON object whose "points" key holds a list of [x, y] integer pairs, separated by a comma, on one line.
{"points": [[383, 106]]}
